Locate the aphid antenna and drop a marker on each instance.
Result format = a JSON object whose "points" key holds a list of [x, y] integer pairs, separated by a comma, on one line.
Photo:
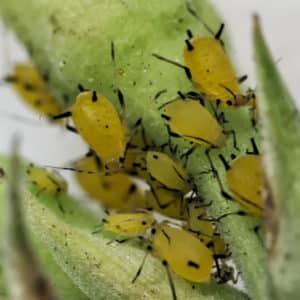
{"points": [[186, 69], [191, 10], [119, 92], [217, 35], [74, 170]]}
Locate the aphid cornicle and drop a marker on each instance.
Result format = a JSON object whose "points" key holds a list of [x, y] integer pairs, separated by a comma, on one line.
{"points": [[117, 191], [31, 86], [192, 121], [46, 181]]}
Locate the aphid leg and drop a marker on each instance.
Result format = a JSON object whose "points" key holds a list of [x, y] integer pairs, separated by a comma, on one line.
{"points": [[71, 128], [139, 271], [186, 155], [159, 93], [170, 135], [61, 208], [194, 96], [253, 118], [219, 116], [64, 115], [171, 282], [162, 206], [189, 34], [234, 140], [216, 175], [243, 78], [255, 150], [219, 32]]}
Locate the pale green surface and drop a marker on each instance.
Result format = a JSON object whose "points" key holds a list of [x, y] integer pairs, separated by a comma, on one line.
{"points": [[73, 44], [100, 270], [280, 120]]}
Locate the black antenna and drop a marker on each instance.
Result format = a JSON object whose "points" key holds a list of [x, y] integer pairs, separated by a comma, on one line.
{"points": [[194, 14], [186, 69]]}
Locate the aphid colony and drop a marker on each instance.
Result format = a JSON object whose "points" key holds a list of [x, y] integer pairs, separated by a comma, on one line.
{"points": [[192, 248]]}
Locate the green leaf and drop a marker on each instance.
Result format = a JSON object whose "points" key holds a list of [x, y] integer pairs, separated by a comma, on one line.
{"points": [[73, 45], [280, 122], [99, 269], [25, 280]]}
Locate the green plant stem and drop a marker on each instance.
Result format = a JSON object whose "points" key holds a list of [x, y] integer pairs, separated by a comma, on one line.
{"points": [[72, 44], [280, 120]]}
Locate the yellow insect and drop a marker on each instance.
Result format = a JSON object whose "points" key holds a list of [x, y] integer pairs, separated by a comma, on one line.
{"points": [[210, 69], [178, 249], [166, 202], [98, 123], [46, 181], [155, 166], [192, 121], [31, 86], [118, 191], [245, 179], [129, 224], [186, 255]]}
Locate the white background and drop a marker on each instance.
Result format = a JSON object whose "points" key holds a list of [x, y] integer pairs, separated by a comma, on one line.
{"points": [[49, 145]]}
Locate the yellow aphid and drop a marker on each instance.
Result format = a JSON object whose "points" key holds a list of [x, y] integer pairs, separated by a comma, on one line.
{"points": [[198, 224], [33, 90], [99, 124], [46, 181], [130, 224], [212, 71], [166, 202], [245, 179], [117, 191], [167, 171], [192, 121], [186, 255]]}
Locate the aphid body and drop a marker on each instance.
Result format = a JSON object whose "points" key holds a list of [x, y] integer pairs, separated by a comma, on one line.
{"points": [[32, 88]]}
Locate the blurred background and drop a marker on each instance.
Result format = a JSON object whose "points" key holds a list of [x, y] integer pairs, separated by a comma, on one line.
{"points": [[49, 145]]}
